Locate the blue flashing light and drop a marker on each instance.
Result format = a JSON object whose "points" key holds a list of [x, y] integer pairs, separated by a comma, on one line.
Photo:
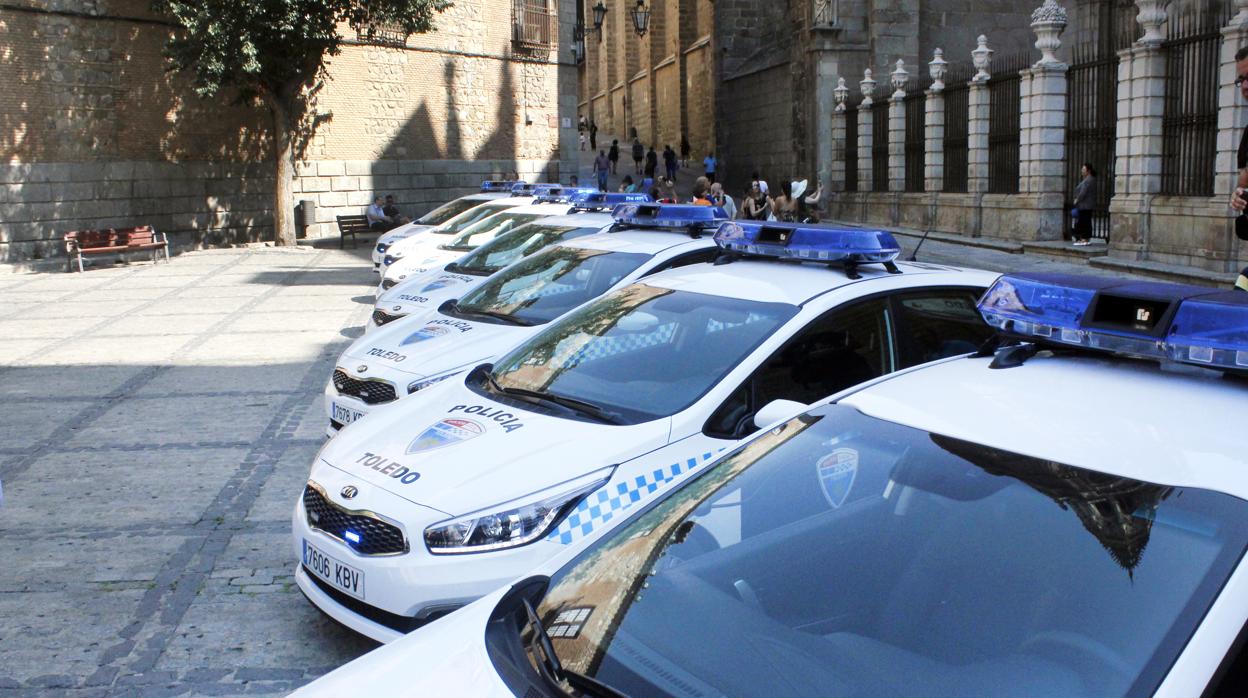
{"points": [[807, 242], [351, 536], [594, 200], [528, 189], [497, 185], [388, 260], [545, 194], [1188, 324], [681, 216]]}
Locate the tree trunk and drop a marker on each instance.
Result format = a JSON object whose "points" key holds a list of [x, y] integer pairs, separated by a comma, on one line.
{"points": [[283, 154]]}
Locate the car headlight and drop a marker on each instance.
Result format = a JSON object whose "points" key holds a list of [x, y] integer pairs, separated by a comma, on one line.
{"points": [[426, 382], [391, 259], [512, 524]]}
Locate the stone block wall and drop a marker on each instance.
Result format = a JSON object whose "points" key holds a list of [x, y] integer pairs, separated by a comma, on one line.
{"points": [[757, 129]]}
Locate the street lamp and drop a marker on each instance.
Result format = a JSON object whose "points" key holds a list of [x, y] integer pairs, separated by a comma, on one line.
{"points": [[641, 18], [600, 13], [578, 42]]}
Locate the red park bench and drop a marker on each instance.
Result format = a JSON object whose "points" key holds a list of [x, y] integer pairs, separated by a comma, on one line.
{"points": [[114, 241]]}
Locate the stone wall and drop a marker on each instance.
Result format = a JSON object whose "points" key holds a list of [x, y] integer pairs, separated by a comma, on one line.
{"points": [[758, 129]]}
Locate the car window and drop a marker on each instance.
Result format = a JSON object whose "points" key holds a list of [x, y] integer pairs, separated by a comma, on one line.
{"points": [[938, 323], [456, 224], [686, 259], [447, 211], [487, 229], [843, 348], [516, 244]]}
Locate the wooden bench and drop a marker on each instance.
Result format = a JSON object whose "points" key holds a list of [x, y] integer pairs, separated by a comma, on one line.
{"points": [[114, 241], [351, 225]]}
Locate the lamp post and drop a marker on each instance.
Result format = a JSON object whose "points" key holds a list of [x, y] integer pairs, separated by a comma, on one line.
{"points": [[641, 18], [600, 13], [578, 42]]}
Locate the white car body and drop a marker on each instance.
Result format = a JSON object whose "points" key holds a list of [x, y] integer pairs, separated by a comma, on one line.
{"points": [[1171, 428], [453, 449], [430, 220], [420, 253], [429, 290], [408, 234], [432, 343]]}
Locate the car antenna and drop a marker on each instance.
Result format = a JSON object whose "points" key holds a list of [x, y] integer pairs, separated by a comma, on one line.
{"points": [[914, 256]]}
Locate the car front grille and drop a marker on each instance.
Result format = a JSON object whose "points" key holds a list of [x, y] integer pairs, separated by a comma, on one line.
{"points": [[371, 392], [381, 317], [387, 284], [377, 537]]}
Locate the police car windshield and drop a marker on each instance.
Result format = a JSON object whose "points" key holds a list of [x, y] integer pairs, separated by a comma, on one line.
{"points": [[845, 555], [485, 230], [516, 244], [542, 287], [447, 211], [643, 352], [456, 225]]}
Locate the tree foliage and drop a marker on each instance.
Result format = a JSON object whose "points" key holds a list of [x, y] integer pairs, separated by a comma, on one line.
{"points": [[275, 50]]}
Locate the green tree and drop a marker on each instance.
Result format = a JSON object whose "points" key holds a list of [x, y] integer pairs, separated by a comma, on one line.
{"points": [[275, 51]]}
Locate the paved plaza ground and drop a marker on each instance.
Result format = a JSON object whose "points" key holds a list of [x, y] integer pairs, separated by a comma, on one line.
{"points": [[158, 422]]}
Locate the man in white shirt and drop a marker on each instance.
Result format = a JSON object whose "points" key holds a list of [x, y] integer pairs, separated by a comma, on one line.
{"points": [[377, 218]]}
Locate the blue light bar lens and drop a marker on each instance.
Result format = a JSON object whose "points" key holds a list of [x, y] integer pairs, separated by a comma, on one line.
{"points": [[527, 189], [807, 242], [598, 200], [1212, 330], [669, 215], [497, 185], [1032, 307], [351, 536]]}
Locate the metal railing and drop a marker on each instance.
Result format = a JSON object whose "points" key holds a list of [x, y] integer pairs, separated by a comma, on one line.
{"points": [[916, 133], [851, 147], [1189, 130], [1003, 123], [957, 118], [879, 145], [534, 24]]}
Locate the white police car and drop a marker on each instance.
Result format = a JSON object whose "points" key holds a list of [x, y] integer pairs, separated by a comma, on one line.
{"points": [[490, 190], [1049, 519], [419, 261], [590, 213], [513, 305], [453, 492]]}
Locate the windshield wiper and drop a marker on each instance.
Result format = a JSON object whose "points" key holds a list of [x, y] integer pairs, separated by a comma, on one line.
{"points": [[492, 314], [580, 407], [457, 268], [552, 670]]}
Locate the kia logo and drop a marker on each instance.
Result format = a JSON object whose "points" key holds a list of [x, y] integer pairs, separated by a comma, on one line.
{"points": [[349, 492]]}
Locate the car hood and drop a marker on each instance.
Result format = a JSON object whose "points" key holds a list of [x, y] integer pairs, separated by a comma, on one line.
{"points": [[421, 261], [427, 291], [429, 343], [402, 232], [451, 449]]}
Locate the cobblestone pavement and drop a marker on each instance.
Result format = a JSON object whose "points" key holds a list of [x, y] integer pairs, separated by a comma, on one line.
{"points": [[159, 421]]}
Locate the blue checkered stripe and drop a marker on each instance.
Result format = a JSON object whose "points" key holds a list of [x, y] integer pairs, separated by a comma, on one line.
{"points": [[602, 347], [603, 504]]}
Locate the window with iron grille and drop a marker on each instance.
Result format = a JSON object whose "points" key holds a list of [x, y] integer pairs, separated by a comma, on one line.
{"points": [[879, 145], [916, 133], [381, 34], [851, 148], [1003, 124], [957, 116], [534, 24], [1189, 128]]}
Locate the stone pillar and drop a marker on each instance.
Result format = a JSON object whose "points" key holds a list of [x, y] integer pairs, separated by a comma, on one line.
{"points": [[934, 126], [897, 129], [866, 132], [1137, 170], [826, 84], [836, 168], [977, 139], [1042, 147]]}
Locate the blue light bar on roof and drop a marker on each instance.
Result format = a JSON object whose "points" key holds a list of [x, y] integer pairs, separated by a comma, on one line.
{"points": [[1190, 324], [807, 242], [681, 216], [594, 200], [544, 194], [497, 185], [528, 189]]}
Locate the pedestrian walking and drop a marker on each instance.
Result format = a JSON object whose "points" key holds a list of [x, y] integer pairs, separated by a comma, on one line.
{"points": [[652, 162], [1085, 202], [602, 166], [709, 164], [684, 150], [613, 154], [755, 206], [593, 135], [1239, 197], [721, 199], [584, 139], [639, 154], [669, 161]]}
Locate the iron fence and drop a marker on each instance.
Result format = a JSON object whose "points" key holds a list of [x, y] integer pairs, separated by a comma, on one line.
{"points": [[1189, 128], [1108, 26], [916, 133], [851, 148], [1003, 123], [879, 145], [957, 116]]}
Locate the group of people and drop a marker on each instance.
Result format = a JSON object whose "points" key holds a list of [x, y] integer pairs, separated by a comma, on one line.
{"points": [[384, 214], [645, 162], [793, 203]]}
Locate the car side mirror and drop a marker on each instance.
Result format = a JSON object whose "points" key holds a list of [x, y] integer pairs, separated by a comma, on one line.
{"points": [[777, 410]]}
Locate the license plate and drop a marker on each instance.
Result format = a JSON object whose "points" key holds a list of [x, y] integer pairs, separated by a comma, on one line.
{"points": [[345, 415], [345, 578]]}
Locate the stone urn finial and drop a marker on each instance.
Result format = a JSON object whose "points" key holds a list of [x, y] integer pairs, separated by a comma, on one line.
{"points": [[982, 58], [1152, 16], [1048, 22], [937, 68], [840, 94], [899, 78], [867, 85], [1241, 18]]}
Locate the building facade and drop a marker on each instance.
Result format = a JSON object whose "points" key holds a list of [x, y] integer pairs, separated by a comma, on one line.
{"points": [[97, 134]]}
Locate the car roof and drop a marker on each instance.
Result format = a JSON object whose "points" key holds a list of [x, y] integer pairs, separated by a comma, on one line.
{"points": [[582, 219], [512, 200], [1167, 425], [487, 196], [649, 242], [548, 208], [774, 281]]}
